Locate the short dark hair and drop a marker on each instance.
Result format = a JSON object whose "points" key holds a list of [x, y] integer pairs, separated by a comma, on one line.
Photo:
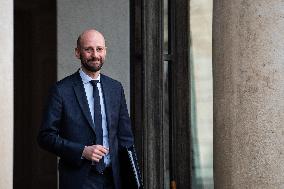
{"points": [[79, 42]]}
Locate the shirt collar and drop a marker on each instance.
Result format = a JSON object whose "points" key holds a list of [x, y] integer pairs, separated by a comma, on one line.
{"points": [[86, 78]]}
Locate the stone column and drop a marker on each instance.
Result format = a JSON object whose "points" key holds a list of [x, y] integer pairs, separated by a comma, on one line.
{"points": [[6, 94], [248, 72]]}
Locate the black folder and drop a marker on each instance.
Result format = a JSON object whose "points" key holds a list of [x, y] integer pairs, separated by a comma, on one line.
{"points": [[129, 170]]}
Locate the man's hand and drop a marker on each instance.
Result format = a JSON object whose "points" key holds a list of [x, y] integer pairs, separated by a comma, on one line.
{"points": [[94, 152]]}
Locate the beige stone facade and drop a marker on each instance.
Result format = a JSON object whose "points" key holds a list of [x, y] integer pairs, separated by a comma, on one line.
{"points": [[6, 95], [248, 94]]}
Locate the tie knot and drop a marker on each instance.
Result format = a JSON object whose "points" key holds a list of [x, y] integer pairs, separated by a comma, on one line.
{"points": [[94, 82]]}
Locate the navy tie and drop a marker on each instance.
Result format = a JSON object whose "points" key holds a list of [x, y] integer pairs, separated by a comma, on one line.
{"points": [[98, 123]]}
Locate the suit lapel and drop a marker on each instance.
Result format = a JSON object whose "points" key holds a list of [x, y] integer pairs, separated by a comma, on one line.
{"points": [[82, 99]]}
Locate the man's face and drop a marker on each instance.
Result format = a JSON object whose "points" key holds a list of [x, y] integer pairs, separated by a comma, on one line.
{"points": [[92, 51]]}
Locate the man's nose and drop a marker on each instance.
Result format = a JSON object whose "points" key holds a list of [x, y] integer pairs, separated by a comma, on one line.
{"points": [[95, 53]]}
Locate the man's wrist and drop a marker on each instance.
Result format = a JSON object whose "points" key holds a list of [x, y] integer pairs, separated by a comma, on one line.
{"points": [[83, 156]]}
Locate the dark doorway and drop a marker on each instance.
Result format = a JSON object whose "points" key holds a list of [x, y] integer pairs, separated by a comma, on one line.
{"points": [[34, 70], [160, 91]]}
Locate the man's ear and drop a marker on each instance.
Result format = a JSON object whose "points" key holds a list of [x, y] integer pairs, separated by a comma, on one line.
{"points": [[77, 52]]}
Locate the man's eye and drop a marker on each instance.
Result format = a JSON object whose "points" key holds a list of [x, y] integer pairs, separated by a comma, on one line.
{"points": [[99, 49]]}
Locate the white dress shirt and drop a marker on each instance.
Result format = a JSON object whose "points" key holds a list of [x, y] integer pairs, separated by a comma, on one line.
{"points": [[89, 93]]}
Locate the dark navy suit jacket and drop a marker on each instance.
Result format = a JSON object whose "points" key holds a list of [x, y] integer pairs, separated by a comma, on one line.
{"points": [[67, 127]]}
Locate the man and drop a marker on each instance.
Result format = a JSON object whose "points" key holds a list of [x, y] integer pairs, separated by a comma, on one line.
{"points": [[86, 121]]}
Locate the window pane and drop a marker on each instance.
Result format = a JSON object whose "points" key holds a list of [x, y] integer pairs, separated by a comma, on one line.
{"points": [[201, 93], [166, 124], [166, 27]]}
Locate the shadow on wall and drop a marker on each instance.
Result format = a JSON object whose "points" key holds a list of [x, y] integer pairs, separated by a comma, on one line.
{"points": [[34, 71]]}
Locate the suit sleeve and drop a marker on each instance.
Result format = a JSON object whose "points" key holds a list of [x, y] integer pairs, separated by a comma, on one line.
{"points": [[48, 136], [125, 135]]}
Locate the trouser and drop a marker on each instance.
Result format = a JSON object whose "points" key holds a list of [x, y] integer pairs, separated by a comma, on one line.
{"points": [[96, 180]]}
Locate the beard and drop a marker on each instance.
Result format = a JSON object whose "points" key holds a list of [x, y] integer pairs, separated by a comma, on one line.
{"points": [[89, 64]]}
